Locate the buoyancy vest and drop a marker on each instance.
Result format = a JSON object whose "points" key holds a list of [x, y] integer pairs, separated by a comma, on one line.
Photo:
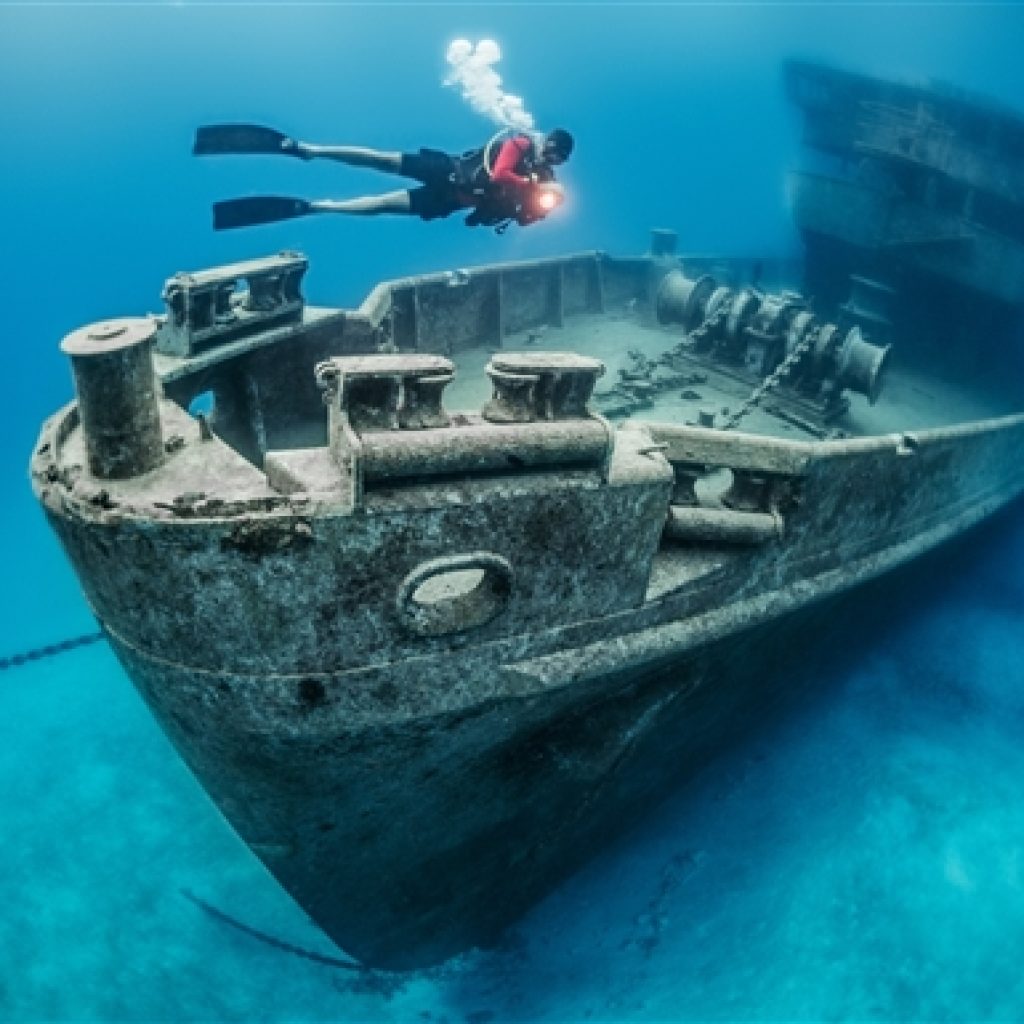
{"points": [[495, 204], [472, 166]]}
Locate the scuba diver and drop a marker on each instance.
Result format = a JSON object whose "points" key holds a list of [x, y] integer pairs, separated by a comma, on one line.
{"points": [[510, 179]]}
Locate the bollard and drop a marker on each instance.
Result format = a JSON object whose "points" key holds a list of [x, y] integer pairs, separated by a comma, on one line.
{"points": [[117, 396]]}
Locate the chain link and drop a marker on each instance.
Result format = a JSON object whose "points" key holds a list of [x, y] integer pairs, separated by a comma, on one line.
{"points": [[711, 323], [772, 381]]}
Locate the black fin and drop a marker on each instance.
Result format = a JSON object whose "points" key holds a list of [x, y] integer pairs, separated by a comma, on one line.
{"points": [[242, 213], [239, 138]]}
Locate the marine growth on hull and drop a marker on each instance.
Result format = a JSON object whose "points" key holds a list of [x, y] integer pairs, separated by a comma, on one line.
{"points": [[495, 555]]}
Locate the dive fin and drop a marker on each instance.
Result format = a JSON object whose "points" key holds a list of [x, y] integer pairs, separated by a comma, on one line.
{"points": [[241, 213], [241, 138]]}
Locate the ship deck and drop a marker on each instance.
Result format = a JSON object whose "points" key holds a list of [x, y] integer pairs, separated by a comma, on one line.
{"points": [[913, 397]]}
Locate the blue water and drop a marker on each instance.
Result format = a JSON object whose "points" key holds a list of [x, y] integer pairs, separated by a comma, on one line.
{"points": [[859, 857]]}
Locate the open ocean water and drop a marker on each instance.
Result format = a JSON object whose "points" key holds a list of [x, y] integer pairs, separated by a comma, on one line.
{"points": [[858, 856]]}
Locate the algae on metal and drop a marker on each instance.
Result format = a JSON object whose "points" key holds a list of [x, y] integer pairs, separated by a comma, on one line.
{"points": [[426, 655]]}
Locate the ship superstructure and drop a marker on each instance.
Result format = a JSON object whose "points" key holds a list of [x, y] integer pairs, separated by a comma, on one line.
{"points": [[917, 190]]}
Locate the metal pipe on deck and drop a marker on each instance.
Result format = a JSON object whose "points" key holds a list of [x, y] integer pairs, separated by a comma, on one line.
{"points": [[482, 446], [722, 526]]}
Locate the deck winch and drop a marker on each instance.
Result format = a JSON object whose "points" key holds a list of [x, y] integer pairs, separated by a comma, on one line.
{"points": [[748, 328]]}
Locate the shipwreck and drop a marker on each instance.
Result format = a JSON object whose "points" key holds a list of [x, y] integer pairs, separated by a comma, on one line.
{"points": [[916, 191], [433, 595]]}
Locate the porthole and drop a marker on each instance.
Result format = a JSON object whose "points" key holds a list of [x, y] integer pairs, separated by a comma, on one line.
{"points": [[454, 594]]}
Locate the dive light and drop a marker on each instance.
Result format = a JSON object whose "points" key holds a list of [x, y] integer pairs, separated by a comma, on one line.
{"points": [[547, 196]]}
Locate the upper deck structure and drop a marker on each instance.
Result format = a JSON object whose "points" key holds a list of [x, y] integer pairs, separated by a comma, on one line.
{"points": [[919, 187]]}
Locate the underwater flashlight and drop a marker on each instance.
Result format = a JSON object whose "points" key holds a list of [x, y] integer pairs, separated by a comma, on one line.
{"points": [[549, 195]]}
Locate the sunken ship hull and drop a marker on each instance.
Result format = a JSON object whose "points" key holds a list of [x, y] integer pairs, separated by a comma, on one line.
{"points": [[424, 663], [914, 190]]}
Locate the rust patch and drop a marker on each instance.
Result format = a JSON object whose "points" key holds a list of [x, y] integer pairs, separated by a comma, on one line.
{"points": [[259, 538]]}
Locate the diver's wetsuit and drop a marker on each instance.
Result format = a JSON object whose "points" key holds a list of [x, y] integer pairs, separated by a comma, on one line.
{"points": [[452, 183]]}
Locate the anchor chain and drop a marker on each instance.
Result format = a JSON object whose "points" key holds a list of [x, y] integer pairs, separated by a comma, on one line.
{"points": [[772, 381], [50, 651], [710, 324]]}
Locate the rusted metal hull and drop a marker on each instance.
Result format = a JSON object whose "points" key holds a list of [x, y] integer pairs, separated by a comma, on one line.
{"points": [[426, 663], [414, 805], [415, 841], [917, 187], [889, 238]]}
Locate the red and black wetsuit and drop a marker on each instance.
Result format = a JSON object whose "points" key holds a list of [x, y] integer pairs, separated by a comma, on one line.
{"points": [[514, 163], [452, 183]]}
